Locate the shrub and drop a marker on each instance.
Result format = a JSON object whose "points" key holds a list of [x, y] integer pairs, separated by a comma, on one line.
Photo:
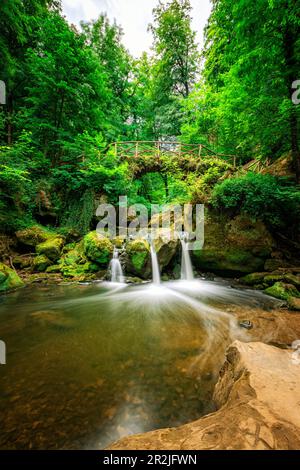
{"points": [[274, 200]]}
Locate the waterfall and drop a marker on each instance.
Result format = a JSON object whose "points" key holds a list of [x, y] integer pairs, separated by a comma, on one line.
{"points": [[186, 263], [116, 268], [155, 267]]}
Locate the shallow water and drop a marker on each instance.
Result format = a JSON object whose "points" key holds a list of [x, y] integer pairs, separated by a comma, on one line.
{"points": [[88, 364]]}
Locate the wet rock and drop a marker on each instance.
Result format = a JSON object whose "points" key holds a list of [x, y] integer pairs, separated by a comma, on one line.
{"points": [[247, 324], [258, 407], [9, 279], [138, 260]]}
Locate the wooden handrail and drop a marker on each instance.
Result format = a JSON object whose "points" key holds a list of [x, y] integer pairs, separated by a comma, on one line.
{"points": [[137, 148]]}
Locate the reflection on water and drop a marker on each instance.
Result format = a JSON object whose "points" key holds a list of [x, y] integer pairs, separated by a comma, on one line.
{"points": [[89, 364]]}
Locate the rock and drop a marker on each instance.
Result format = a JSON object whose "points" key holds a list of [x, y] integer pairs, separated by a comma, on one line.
{"points": [[138, 259], [41, 263], [294, 303], [98, 248], [22, 262], [258, 407], [51, 248], [9, 279], [253, 278], [282, 291], [74, 264], [233, 247], [133, 280], [166, 248], [247, 324], [33, 236], [273, 264]]}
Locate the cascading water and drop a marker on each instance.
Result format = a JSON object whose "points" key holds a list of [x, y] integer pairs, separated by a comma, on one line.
{"points": [[116, 268], [187, 273], [155, 266]]}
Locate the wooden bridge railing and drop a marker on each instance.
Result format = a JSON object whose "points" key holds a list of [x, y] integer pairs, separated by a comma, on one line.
{"points": [[138, 149]]}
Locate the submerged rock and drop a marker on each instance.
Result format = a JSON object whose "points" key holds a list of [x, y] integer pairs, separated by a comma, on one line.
{"points": [[258, 399], [9, 279]]}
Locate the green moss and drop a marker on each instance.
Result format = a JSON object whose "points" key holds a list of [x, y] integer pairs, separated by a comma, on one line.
{"points": [[9, 279], [51, 248], [97, 248], [74, 264], [253, 279], [227, 260], [33, 236], [41, 263], [138, 258], [282, 291], [22, 262]]}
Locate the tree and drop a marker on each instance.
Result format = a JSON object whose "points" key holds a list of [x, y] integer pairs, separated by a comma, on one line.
{"points": [[252, 56], [105, 39]]}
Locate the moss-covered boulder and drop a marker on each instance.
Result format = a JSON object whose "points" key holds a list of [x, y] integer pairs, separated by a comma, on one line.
{"points": [[33, 236], [74, 264], [253, 279], [9, 279], [233, 247], [98, 248], [51, 248], [41, 263], [22, 262], [138, 259], [283, 291]]}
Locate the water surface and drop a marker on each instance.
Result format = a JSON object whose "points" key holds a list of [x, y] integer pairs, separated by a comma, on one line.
{"points": [[88, 364]]}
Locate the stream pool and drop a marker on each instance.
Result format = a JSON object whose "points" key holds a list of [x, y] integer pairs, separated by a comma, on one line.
{"points": [[88, 364]]}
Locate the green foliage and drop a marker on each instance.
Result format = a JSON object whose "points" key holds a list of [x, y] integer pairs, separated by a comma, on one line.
{"points": [[261, 196]]}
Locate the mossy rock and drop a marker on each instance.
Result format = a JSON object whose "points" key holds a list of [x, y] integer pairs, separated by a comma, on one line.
{"points": [[53, 269], [282, 291], [9, 279], [233, 247], [98, 248], [41, 263], [227, 261], [33, 236], [292, 279], [51, 248], [74, 264], [22, 262], [138, 260], [253, 278]]}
